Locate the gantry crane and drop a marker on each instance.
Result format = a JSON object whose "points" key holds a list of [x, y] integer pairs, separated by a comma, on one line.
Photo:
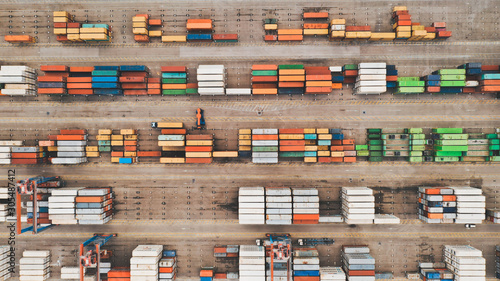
{"points": [[279, 248], [91, 253]]}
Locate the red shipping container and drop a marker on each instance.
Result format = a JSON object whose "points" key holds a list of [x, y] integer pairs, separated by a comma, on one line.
{"points": [[116, 153], [404, 23], [349, 147], [337, 159], [154, 80], [173, 131], [73, 25], [348, 141], [264, 78], [62, 38], [81, 69], [50, 78], [25, 155], [173, 69], [490, 67], [192, 85], [291, 84], [444, 34], [148, 153], [292, 148], [134, 74], [469, 90], [40, 220], [319, 77], [133, 79], [350, 73], [79, 79], [404, 17], [225, 37], [51, 91], [72, 132], [306, 278], [361, 272], [25, 161], [322, 159], [81, 92], [130, 148], [293, 142], [198, 148], [291, 131], [439, 24], [199, 137], [336, 148], [70, 137], [350, 80], [220, 276], [198, 160], [134, 86], [391, 78], [60, 25], [119, 272], [155, 22], [263, 86], [220, 249], [54, 68], [135, 92], [350, 159], [270, 38]]}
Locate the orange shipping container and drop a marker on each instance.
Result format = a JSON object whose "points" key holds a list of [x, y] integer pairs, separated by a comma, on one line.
{"points": [[198, 148], [318, 89], [23, 155], [71, 137], [319, 77], [148, 153], [348, 141], [264, 67], [49, 91], [119, 272], [220, 249], [89, 199], [81, 92], [264, 78], [79, 79], [79, 85], [489, 88], [315, 25], [349, 147], [173, 131], [306, 216], [264, 137], [130, 148], [296, 78], [291, 131], [350, 159], [53, 68], [154, 91], [435, 215], [116, 153], [305, 278], [173, 86], [336, 85], [449, 198], [490, 82], [199, 137], [206, 273], [337, 159], [19, 38], [166, 269], [265, 91], [291, 84], [46, 143], [199, 160], [292, 148], [324, 159], [155, 22], [289, 32], [321, 15], [290, 37], [293, 142], [130, 142], [351, 73], [81, 69], [220, 275], [72, 132]]}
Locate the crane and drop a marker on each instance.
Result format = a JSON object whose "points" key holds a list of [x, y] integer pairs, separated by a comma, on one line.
{"points": [[30, 186], [91, 253], [279, 249]]}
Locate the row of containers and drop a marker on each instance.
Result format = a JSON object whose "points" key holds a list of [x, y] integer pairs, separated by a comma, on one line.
{"points": [[266, 79], [285, 206], [318, 24], [311, 145]]}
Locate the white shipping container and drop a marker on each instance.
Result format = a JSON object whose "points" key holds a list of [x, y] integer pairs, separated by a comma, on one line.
{"points": [[238, 91], [10, 143], [265, 131], [63, 161], [71, 143], [215, 84], [371, 90], [306, 211], [251, 191], [251, 199], [305, 199], [279, 199], [70, 148], [370, 83], [265, 143], [279, 211], [211, 91], [5, 155], [265, 160], [306, 205], [252, 205], [5, 161], [372, 65], [305, 192], [251, 211], [70, 154], [357, 191], [16, 68], [335, 68], [279, 205], [218, 77], [368, 71], [278, 192], [265, 154], [18, 92]]}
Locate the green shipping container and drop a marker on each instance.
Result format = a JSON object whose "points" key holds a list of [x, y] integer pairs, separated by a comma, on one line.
{"points": [[493, 158], [494, 147], [410, 90], [453, 136], [291, 154], [375, 142], [291, 66], [417, 142], [375, 159], [173, 81], [447, 153], [363, 153], [104, 73], [173, 92], [374, 136], [191, 90], [495, 141], [451, 72], [418, 147], [492, 136], [411, 83], [414, 78], [452, 148], [350, 66], [270, 21], [445, 78], [104, 148], [265, 148], [416, 153], [417, 136], [451, 142], [361, 147], [376, 153], [373, 131], [375, 147], [264, 73], [446, 159], [452, 83], [448, 130], [415, 130], [414, 159]]}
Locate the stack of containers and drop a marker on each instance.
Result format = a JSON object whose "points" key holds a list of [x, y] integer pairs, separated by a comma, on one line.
{"points": [[207, 274], [337, 77], [140, 27], [245, 143], [412, 85], [497, 262], [306, 264], [94, 206], [452, 80], [104, 140], [278, 205], [465, 262], [290, 35], [291, 142], [175, 137], [173, 150], [337, 149], [401, 22], [315, 28], [434, 271], [494, 146], [70, 147], [349, 147], [211, 79], [34, 265], [154, 86], [167, 266], [391, 76], [174, 80], [264, 79], [5, 274], [199, 149], [331, 274], [490, 79], [395, 143], [61, 20], [119, 274], [437, 205], [417, 144], [362, 150], [358, 205], [133, 79], [225, 38], [129, 146], [337, 29], [95, 32], [199, 30], [492, 215], [375, 144], [305, 206], [144, 262], [42, 209], [471, 205], [441, 31], [324, 145], [291, 79], [228, 251], [6, 147], [251, 205], [358, 264], [357, 32], [266, 138], [449, 144], [318, 80], [17, 80], [62, 205], [350, 72], [473, 75], [54, 80], [371, 78], [73, 32], [27, 155], [478, 148], [79, 81], [270, 27], [105, 80], [252, 263], [4, 212]]}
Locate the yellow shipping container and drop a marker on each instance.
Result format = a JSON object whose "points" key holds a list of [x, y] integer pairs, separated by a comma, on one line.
{"points": [[419, 33], [155, 33], [337, 21], [319, 31], [403, 35], [175, 38], [245, 137], [324, 153], [115, 159], [310, 131], [94, 36], [170, 143], [139, 19], [73, 37], [94, 30], [270, 26], [200, 142], [51, 148], [170, 160], [245, 148], [128, 132], [60, 14], [324, 136], [130, 154], [91, 148], [245, 131], [351, 35], [198, 154], [172, 148], [399, 8], [116, 137], [311, 148], [130, 137], [337, 34], [245, 142], [292, 72], [59, 31], [61, 19], [289, 31], [103, 137], [429, 36], [92, 154], [318, 83], [140, 30], [116, 143], [403, 28], [297, 78], [225, 154], [364, 34], [323, 147], [170, 125], [310, 142], [73, 30], [382, 36], [105, 131], [322, 131], [417, 27], [139, 24], [291, 136], [310, 159], [337, 154]]}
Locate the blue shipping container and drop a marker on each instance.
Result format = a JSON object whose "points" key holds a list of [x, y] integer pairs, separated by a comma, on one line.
{"points": [[103, 92], [310, 154], [290, 91], [490, 76], [451, 90], [173, 75], [199, 37], [106, 67], [338, 79], [310, 136], [169, 253], [50, 85], [125, 160], [306, 273], [335, 131], [391, 67], [474, 65], [473, 71], [205, 278], [244, 153], [433, 83], [393, 72], [133, 68], [105, 85], [433, 77], [391, 84], [104, 79], [337, 136], [324, 142]]}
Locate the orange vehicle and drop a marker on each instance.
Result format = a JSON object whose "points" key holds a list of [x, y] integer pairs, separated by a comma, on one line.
{"points": [[200, 120]]}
